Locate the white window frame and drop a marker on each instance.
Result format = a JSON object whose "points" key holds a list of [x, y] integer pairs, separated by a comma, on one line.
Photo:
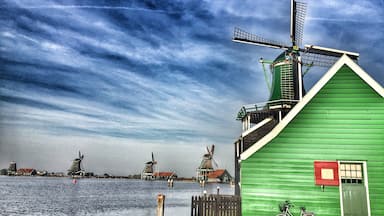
{"points": [[365, 178]]}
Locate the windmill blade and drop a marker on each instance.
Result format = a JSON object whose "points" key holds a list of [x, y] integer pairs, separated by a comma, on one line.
{"points": [[313, 59], [209, 151], [242, 36], [153, 159], [212, 149], [298, 11], [330, 52], [323, 57]]}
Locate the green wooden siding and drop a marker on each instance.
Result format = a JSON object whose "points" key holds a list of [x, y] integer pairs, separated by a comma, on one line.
{"points": [[344, 121]]}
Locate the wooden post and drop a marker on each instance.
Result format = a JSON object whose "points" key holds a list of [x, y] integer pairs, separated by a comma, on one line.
{"points": [[160, 204]]}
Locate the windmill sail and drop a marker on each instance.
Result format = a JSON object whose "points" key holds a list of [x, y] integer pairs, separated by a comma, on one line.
{"points": [[298, 10], [324, 57], [242, 36]]}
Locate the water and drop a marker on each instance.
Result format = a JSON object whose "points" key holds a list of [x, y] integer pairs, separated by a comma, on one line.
{"points": [[43, 196]]}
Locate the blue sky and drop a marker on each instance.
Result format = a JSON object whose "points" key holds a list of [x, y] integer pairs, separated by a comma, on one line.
{"points": [[121, 79]]}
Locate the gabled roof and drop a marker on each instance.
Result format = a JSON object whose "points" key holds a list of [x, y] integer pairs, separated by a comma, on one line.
{"points": [[344, 60], [25, 170]]}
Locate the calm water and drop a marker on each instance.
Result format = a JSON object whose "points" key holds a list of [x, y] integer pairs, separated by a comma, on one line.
{"points": [[100, 197]]}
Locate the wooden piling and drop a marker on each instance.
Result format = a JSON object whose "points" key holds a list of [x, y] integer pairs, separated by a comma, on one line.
{"points": [[160, 204]]}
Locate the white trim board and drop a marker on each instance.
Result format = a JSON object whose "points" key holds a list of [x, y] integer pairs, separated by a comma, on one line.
{"points": [[344, 60]]}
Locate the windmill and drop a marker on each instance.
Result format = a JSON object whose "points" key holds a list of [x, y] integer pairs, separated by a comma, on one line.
{"points": [[206, 165], [149, 171], [76, 168], [208, 161], [287, 76]]}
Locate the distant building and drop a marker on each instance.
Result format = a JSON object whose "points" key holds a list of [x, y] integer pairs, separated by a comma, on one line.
{"points": [[26, 172], [42, 173], [89, 174], [220, 176], [56, 174], [165, 175], [3, 172]]}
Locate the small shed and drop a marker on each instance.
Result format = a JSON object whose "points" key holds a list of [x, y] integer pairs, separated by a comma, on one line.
{"points": [[326, 154]]}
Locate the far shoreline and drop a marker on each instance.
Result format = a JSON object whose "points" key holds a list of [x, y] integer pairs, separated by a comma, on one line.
{"points": [[133, 177]]}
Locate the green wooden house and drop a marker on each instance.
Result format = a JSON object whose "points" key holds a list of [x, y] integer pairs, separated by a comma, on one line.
{"points": [[326, 153]]}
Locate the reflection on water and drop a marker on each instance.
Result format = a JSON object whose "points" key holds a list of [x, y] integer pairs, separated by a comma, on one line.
{"points": [[100, 197]]}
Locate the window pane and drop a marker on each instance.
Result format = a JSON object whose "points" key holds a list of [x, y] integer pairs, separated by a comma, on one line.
{"points": [[342, 173], [359, 175]]}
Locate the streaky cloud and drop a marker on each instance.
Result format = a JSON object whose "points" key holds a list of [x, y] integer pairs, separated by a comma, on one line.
{"points": [[342, 20], [98, 7]]}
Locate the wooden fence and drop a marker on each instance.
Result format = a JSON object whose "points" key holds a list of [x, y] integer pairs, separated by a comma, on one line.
{"points": [[216, 205]]}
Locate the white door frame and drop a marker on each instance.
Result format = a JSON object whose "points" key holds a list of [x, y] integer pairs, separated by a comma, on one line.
{"points": [[365, 173]]}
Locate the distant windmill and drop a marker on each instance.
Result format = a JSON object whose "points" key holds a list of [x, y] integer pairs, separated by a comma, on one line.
{"points": [[76, 167], [207, 160], [287, 83], [149, 171], [206, 165]]}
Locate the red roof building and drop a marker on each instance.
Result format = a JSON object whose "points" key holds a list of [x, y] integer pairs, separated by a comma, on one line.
{"points": [[220, 175], [26, 172], [165, 175]]}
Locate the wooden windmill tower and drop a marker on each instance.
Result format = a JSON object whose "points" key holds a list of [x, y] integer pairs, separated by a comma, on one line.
{"points": [[206, 165], [149, 169], [287, 79]]}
